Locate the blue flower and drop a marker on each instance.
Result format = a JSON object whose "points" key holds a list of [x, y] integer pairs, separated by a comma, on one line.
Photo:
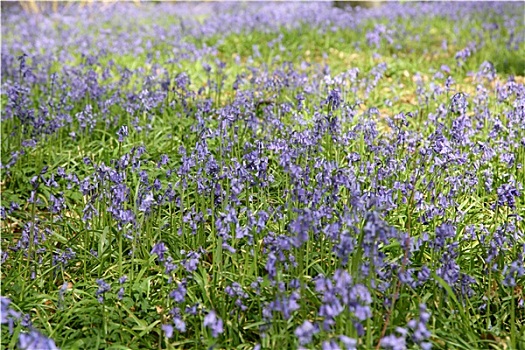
{"points": [[349, 343], [305, 332], [159, 249], [214, 323], [34, 340], [168, 330], [103, 288], [394, 343], [7, 315]]}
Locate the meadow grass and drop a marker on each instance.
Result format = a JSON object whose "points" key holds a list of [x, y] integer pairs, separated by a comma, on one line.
{"points": [[313, 185]]}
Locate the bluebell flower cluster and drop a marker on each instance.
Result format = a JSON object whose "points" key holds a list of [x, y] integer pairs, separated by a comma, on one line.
{"points": [[29, 338], [237, 202]]}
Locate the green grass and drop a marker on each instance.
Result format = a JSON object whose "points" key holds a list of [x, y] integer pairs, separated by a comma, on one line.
{"points": [[490, 319]]}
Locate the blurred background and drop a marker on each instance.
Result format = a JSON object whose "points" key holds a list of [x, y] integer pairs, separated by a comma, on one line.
{"points": [[45, 6]]}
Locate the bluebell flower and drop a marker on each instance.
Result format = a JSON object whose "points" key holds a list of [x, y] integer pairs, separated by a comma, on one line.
{"points": [[286, 304], [147, 201], [35, 340], [423, 275], [169, 266], [459, 103], [443, 232], [168, 330], [179, 324], [330, 345], [191, 261], [192, 309], [305, 332], [214, 323], [62, 291], [334, 99], [7, 315], [420, 333], [349, 343], [512, 272], [63, 258], [159, 249], [507, 194], [449, 270], [236, 291], [393, 343], [103, 288], [180, 293], [122, 133]]}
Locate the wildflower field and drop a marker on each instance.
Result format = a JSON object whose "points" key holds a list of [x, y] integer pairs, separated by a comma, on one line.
{"points": [[263, 176]]}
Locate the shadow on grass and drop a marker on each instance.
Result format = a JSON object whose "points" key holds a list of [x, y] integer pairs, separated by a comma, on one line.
{"points": [[513, 64]]}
